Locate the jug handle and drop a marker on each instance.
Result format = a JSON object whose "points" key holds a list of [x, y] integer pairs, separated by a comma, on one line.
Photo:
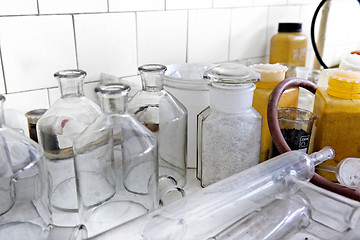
{"points": [[281, 144]]}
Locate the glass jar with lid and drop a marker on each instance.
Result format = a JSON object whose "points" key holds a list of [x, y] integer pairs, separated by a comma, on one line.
{"points": [[338, 109], [116, 164], [229, 131], [166, 117], [56, 131]]}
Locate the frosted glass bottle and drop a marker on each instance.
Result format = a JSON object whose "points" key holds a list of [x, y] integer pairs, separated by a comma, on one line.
{"points": [[57, 130], [166, 117], [116, 165], [24, 186], [230, 129]]}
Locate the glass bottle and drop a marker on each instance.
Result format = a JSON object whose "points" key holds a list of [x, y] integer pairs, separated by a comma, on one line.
{"points": [[271, 75], [166, 117], [289, 45], [56, 131], [185, 82], [338, 109], [24, 186], [116, 164], [230, 130]]}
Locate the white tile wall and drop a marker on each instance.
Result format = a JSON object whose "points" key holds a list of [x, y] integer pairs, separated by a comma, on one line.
{"points": [[35, 47], [136, 5], [280, 14], [208, 39], [248, 42], [232, 3], [303, 1], [106, 43], [269, 2], [188, 4], [162, 37], [89, 91], [40, 37], [26, 101], [54, 94], [72, 6], [18, 7]]}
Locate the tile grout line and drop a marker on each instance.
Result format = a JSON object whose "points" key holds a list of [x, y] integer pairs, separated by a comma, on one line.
{"points": [[3, 71], [137, 39], [38, 7], [187, 37], [75, 43]]}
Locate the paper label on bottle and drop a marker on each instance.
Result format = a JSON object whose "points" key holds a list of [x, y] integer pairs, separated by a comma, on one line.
{"points": [[298, 55]]}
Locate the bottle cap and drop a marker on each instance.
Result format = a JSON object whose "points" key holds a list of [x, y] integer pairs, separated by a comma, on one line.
{"points": [[344, 84], [270, 72], [289, 27]]}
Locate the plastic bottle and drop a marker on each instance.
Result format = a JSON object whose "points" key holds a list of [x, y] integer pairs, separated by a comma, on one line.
{"points": [[338, 109], [288, 45], [271, 75]]}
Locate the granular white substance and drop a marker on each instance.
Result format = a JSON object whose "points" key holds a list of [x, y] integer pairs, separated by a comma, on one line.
{"points": [[230, 144]]}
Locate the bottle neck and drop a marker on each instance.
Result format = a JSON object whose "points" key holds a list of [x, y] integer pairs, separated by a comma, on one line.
{"points": [[71, 87], [152, 77], [151, 82], [71, 82], [231, 98], [113, 104]]}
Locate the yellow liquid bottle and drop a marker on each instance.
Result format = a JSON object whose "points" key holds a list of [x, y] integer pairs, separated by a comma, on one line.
{"points": [[288, 45], [271, 75], [338, 109]]}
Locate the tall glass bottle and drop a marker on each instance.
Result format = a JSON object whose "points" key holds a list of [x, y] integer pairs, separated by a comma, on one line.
{"points": [[229, 131], [57, 130], [116, 164], [24, 204], [166, 117]]}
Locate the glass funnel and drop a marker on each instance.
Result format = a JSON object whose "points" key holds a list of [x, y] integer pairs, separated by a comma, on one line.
{"points": [[166, 117], [24, 188], [116, 164], [56, 131], [347, 172]]}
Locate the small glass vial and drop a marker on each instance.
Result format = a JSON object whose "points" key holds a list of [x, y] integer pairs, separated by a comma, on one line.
{"points": [[166, 117], [33, 117], [56, 131], [289, 45], [230, 129], [24, 186], [338, 109], [116, 165]]}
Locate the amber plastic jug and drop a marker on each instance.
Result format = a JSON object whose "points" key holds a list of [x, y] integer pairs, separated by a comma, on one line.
{"points": [[338, 110], [271, 75]]}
